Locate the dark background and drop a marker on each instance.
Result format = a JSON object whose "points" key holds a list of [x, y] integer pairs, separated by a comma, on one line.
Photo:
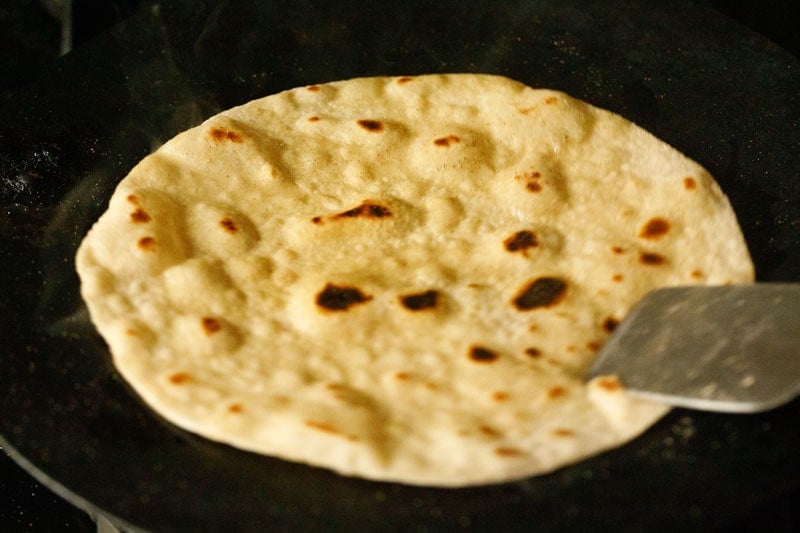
{"points": [[32, 39]]}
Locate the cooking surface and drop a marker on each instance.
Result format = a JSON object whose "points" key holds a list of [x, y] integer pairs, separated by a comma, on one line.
{"points": [[721, 94]]}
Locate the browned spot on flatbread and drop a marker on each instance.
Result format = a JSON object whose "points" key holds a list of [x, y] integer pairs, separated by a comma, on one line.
{"points": [[314, 118], [210, 325], [505, 451], [593, 346], [340, 392], [499, 396], [489, 431], [533, 352], [480, 354], [140, 216], [697, 274], [556, 392], [235, 408], [531, 180], [420, 301], [327, 428], [609, 384], [533, 186], [655, 228], [610, 324], [550, 100], [651, 259], [148, 244], [180, 378], [402, 376], [562, 432], [228, 225], [367, 209], [541, 292], [521, 241], [617, 278], [313, 88], [446, 141], [322, 426], [618, 250], [374, 126], [340, 298], [219, 134], [133, 199], [404, 79], [689, 183]]}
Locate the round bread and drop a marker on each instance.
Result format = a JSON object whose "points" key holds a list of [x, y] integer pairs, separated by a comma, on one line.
{"points": [[400, 278]]}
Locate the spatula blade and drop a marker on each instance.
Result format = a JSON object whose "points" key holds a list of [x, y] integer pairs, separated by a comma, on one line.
{"points": [[731, 348]]}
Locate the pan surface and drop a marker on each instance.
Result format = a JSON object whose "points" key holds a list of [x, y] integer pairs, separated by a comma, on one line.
{"points": [[724, 96]]}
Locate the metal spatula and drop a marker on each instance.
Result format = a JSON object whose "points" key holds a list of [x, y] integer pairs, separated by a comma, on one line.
{"points": [[733, 348]]}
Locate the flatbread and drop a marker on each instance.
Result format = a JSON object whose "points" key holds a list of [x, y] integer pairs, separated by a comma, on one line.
{"points": [[403, 278]]}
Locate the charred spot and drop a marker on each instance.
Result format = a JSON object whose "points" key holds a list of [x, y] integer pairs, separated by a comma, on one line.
{"points": [[210, 325], [374, 126], [697, 274], [533, 186], [562, 432], [541, 292], [317, 220], [223, 134], [593, 346], [556, 392], [446, 141], [228, 225], [652, 259], [140, 216], [133, 199], [314, 118], [313, 88], [610, 324], [404, 79], [338, 298], [235, 408], [689, 183], [180, 378], [366, 210], [479, 354], [655, 228], [420, 301], [550, 100], [533, 352], [618, 250], [504, 451], [146, 243], [617, 278], [610, 384], [521, 241]]}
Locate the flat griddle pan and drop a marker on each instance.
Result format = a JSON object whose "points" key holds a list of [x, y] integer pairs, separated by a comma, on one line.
{"points": [[721, 94]]}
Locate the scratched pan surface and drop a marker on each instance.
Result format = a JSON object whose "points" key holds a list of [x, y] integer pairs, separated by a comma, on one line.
{"points": [[721, 94]]}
